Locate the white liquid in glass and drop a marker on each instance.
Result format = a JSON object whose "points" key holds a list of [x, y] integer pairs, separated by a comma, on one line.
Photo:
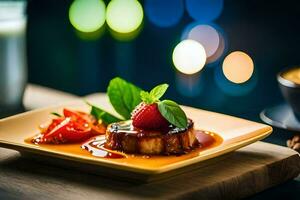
{"points": [[13, 69]]}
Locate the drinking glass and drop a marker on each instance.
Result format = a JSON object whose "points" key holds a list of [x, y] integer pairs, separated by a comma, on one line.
{"points": [[13, 67]]}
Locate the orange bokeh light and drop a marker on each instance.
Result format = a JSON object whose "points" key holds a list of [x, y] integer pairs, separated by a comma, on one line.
{"points": [[238, 67]]}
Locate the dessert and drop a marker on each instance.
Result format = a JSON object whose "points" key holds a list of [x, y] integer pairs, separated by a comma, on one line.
{"points": [[153, 128], [146, 125], [122, 136]]}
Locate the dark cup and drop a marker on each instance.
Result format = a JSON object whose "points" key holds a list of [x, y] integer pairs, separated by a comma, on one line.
{"points": [[290, 91]]}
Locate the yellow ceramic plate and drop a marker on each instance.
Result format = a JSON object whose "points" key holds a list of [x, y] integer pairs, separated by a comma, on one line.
{"points": [[235, 132]]}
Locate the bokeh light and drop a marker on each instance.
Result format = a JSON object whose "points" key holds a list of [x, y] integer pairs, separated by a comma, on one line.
{"points": [[233, 89], [204, 10], [219, 53], [210, 36], [189, 57], [124, 16], [207, 36], [87, 16], [238, 67], [164, 13]]}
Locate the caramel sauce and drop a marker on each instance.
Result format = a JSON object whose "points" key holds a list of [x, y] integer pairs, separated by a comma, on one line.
{"points": [[94, 149], [96, 146], [125, 127]]}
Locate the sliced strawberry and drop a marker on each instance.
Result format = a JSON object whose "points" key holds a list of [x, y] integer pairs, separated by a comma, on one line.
{"points": [[73, 127], [147, 116]]}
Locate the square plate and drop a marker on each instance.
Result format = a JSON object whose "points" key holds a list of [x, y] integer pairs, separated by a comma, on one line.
{"points": [[236, 133]]}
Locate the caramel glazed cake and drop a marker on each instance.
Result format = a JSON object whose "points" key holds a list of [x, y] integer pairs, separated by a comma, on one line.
{"points": [[122, 136]]}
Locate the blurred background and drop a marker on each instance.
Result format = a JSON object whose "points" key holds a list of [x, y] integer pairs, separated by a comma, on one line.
{"points": [[73, 48], [219, 55]]}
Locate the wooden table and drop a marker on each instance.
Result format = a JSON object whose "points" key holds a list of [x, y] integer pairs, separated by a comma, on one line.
{"points": [[239, 174]]}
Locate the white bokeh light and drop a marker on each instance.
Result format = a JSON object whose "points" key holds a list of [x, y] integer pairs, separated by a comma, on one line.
{"points": [[189, 57]]}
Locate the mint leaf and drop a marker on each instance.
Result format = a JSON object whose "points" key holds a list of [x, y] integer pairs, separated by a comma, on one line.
{"points": [[145, 96], [157, 92], [100, 114], [56, 114], [172, 112], [123, 96]]}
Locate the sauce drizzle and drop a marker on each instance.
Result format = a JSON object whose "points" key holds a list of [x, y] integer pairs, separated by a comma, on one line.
{"points": [[153, 161], [96, 147]]}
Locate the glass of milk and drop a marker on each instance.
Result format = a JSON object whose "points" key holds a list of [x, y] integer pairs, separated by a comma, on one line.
{"points": [[13, 69]]}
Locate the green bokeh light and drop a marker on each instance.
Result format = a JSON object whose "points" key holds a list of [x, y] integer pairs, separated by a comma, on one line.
{"points": [[124, 16], [87, 15]]}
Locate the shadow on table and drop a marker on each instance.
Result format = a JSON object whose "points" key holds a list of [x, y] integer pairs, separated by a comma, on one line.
{"points": [[288, 190]]}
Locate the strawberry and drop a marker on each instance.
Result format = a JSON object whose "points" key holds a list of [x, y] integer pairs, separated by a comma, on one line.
{"points": [[154, 114], [147, 116]]}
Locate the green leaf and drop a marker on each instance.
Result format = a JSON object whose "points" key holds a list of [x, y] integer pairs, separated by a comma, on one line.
{"points": [[154, 94], [172, 112], [157, 92], [145, 96], [100, 114], [56, 114], [123, 96]]}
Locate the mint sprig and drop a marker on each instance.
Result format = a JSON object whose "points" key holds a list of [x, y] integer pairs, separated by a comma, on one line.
{"points": [[123, 96], [170, 110], [155, 94]]}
